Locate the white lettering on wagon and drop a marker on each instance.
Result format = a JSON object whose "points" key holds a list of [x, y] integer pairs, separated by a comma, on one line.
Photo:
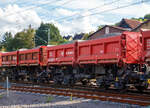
{"points": [[101, 51], [5, 62], [62, 53], [69, 52], [147, 54], [50, 54], [51, 59]]}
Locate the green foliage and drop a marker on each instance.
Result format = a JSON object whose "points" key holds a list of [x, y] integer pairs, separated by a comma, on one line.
{"points": [[42, 32], [100, 26], [86, 35], [28, 39], [49, 99], [141, 19], [1, 96], [24, 39], [147, 16], [6, 44], [117, 24], [3, 49]]}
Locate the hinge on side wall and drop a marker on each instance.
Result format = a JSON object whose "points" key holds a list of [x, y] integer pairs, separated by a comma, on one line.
{"points": [[123, 45]]}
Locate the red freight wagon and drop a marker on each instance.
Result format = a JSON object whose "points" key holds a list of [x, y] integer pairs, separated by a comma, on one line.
{"points": [[61, 54], [37, 56], [9, 58], [146, 45], [29, 57], [125, 47]]}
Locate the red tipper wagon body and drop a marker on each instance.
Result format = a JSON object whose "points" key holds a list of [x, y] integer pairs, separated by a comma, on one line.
{"points": [[9, 58], [29, 57], [146, 45], [111, 49], [34, 57], [37, 56], [62, 54]]}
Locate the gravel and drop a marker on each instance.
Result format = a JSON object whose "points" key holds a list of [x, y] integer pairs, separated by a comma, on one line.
{"points": [[32, 100]]}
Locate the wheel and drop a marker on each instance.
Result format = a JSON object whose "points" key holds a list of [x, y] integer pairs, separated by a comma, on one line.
{"points": [[104, 86], [141, 88], [57, 82], [84, 82], [119, 85]]}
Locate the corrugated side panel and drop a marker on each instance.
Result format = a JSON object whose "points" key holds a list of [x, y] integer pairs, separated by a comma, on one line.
{"points": [[106, 50], [11, 59], [146, 45], [29, 57], [133, 47], [61, 54]]}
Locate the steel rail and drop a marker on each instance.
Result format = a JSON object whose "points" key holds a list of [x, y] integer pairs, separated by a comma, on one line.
{"points": [[122, 98]]}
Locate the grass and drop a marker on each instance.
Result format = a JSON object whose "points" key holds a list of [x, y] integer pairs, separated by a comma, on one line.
{"points": [[1, 96], [49, 98]]}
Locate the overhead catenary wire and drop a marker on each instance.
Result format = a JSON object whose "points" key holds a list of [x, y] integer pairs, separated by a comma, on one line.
{"points": [[41, 5], [28, 9], [143, 1], [41, 39], [132, 4], [37, 6], [54, 1], [108, 10], [62, 4], [100, 6], [92, 14], [105, 4], [68, 17]]}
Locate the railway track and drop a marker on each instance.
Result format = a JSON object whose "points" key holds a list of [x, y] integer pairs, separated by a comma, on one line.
{"points": [[83, 87], [142, 100]]}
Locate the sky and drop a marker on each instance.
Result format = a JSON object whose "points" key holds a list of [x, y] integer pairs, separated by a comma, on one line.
{"points": [[70, 16]]}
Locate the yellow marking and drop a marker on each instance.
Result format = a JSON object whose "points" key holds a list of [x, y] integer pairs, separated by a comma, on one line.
{"points": [[148, 81], [116, 78], [71, 97]]}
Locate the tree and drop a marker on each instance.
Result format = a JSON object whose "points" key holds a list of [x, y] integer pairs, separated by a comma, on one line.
{"points": [[117, 24], [86, 35], [24, 39], [100, 26], [147, 16], [7, 42], [141, 19], [41, 36]]}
